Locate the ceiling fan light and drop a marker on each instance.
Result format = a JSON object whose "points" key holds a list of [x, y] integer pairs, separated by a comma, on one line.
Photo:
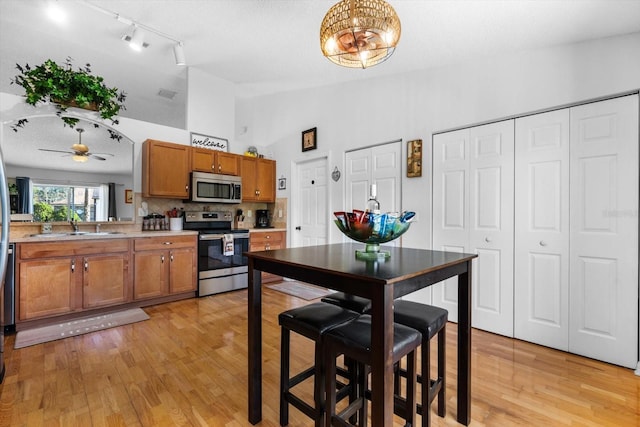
{"points": [[364, 33], [80, 159]]}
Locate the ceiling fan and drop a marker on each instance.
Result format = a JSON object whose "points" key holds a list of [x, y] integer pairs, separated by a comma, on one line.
{"points": [[80, 151]]}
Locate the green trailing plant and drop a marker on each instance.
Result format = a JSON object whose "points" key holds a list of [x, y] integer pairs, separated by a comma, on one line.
{"points": [[66, 87]]}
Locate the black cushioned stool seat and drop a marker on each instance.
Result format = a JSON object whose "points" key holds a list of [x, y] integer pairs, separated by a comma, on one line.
{"points": [[353, 339], [310, 321], [352, 302]]}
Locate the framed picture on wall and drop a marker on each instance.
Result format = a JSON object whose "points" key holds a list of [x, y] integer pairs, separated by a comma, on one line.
{"points": [[128, 196], [414, 158], [210, 142], [309, 139]]}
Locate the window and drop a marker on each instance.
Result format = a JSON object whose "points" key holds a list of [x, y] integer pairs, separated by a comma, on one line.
{"points": [[64, 202]]}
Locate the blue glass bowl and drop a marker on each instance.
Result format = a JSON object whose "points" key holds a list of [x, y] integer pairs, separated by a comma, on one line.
{"points": [[379, 228]]}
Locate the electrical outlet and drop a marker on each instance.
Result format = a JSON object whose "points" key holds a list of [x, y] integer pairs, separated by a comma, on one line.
{"points": [[249, 214], [279, 213]]}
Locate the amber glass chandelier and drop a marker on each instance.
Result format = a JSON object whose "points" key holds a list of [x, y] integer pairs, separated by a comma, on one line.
{"points": [[359, 33]]}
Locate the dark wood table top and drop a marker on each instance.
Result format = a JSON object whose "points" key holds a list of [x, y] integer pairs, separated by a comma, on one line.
{"points": [[403, 264]]}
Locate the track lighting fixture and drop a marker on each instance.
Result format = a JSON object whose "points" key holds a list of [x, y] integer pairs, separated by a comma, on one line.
{"points": [[178, 53], [137, 39]]}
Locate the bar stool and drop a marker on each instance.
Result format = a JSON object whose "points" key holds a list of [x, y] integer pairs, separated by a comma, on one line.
{"points": [[427, 319], [353, 340], [310, 321]]}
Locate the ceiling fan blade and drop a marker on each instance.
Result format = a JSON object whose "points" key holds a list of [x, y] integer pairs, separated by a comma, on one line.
{"points": [[56, 151], [96, 157]]}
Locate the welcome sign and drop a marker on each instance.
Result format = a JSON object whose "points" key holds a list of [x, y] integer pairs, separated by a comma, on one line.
{"points": [[210, 142]]}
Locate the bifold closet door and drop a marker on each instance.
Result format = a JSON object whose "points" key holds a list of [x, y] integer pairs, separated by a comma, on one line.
{"points": [[541, 297], [473, 212], [603, 287]]}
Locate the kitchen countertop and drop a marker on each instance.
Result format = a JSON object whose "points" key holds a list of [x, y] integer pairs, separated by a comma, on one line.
{"points": [[90, 236], [265, 230]]}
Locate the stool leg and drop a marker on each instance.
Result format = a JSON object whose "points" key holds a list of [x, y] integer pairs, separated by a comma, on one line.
{"points": [[426, 382], [330, 384], [318, 385], [442, 363], [410, 413], [284, 376]]}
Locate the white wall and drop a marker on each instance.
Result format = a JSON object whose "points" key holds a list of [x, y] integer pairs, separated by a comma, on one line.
{"points": [[417, 104], [210, 105]]}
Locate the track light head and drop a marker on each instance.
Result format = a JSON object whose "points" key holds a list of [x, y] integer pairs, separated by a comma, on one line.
{"points": [[137, 39], [178, 53]]}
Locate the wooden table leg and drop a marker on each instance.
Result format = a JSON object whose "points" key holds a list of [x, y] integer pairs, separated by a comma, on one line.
{"points": [[381, 360], [464, 347], [255, 344]]}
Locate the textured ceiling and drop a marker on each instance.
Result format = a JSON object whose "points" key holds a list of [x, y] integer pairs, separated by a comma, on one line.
{"points": [[268, 46]]}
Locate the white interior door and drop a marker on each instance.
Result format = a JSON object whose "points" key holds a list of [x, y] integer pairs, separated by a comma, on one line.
{"points": [[542, 228], [491, 225], [604, 231], [450, 208], [311, 203]]}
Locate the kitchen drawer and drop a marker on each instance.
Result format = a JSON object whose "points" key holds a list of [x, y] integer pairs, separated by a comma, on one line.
{"points": [[164, 242], [263, 240], [67, 248]]}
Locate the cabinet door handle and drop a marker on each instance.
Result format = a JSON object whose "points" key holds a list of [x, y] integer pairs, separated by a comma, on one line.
{"points": [[219, 168], [186, 188], [171, 257], [73, 265], [162, 259], [268, 237], [543, 243], [86, 264]]}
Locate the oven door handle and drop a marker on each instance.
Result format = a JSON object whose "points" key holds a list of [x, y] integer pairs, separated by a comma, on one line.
{"points": [[221, 236]]}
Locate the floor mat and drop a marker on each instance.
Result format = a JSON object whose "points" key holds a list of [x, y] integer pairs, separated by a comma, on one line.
{"points": [[300, 289], [80, 326]]}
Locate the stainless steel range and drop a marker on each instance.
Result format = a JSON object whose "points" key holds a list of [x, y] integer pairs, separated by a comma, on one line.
{"points": [[222, 266]]}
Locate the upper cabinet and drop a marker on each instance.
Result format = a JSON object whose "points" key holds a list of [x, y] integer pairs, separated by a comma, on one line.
{"points": [[165, 169], [258, 180], [206, 160]]}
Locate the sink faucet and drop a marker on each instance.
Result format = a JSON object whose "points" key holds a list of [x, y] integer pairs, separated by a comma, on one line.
{"points": [[74, 224], [97, 228]]}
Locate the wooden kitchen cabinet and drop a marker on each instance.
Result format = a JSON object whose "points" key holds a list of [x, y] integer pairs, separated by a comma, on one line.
{"points": [[165, 169], [164, 266], [62, 277], [258, 179], [264, 241], [213, 161]]}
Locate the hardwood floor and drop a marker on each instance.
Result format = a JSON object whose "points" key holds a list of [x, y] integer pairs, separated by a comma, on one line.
{"points": [[187, 366]]}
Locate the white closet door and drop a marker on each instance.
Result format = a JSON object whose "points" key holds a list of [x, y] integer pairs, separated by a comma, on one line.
{"points": [[357, 179], [491, 225], [604, 231], [450, 207], [542, 229]]}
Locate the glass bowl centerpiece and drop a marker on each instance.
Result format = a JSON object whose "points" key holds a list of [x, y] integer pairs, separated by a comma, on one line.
{"points": [[372, 229]]}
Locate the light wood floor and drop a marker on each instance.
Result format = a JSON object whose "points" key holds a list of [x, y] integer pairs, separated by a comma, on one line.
{"points": [[187, 366]]}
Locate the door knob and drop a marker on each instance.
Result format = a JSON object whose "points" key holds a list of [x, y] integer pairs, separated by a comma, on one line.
{"points": [[486, 239], [298, 228], [543, 243]]}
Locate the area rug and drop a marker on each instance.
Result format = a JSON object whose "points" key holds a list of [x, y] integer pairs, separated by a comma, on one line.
{"points": [[77, 327], [300, 289]]}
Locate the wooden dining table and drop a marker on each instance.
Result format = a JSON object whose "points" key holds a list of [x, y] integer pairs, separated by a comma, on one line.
{"points": [[336, 267]]}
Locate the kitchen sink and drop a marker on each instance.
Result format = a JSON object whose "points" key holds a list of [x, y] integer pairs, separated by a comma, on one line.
{"points": [[104, 233], [49, 235]]}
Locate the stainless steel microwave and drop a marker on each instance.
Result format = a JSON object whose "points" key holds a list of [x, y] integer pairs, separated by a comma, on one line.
{"points": [[214, 188]]}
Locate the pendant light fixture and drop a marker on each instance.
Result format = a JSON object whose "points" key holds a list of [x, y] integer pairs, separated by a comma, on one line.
{"points": [[359, 33]]}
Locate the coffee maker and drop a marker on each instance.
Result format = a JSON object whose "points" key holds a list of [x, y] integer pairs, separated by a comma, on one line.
{"points": [[262, 218]]}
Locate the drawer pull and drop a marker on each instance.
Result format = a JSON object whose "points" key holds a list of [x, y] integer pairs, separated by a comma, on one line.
{"points": [[167, 243]]}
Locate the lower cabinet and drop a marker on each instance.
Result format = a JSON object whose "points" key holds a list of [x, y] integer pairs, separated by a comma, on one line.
{"points": [[164, 266], [264, 241], [55, 278], [64, 277]]}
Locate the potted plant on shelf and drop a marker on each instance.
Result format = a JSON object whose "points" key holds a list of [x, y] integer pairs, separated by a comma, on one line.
{"points": [[66, 87]]}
